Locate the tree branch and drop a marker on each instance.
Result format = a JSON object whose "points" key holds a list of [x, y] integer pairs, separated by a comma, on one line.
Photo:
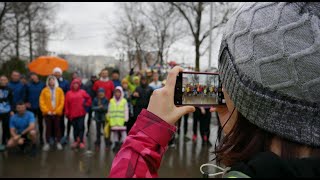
{"points": [[185, 16], [223, 20]]}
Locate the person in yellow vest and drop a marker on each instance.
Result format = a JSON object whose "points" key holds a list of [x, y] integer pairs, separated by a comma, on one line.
{"points": [[118, 114]]}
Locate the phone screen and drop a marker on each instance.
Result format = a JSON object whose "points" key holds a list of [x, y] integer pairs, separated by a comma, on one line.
{"points": [[198, 89]]}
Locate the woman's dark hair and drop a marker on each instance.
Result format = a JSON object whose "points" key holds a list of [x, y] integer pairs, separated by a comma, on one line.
{"points": [[246, 140]]}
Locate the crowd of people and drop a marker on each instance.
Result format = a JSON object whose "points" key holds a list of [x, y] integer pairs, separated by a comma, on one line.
{"points": [[199, 90], [31, 109]]}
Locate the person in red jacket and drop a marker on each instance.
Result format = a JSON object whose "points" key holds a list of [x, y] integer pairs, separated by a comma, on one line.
{"points": [[105, 83], [75, 109]]}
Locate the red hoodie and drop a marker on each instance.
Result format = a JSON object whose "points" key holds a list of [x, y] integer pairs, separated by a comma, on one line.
{"points": [[75, 101], [108, 87]]}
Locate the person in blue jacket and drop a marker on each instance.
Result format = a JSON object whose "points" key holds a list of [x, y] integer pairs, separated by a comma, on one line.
{"points": [[18, 88], [115, 75], [5, 109], [34, 88], [65, 86], [100, 107]]}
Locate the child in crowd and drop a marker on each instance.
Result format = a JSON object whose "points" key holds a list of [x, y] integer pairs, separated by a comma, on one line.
{"points": [[118, 114], [100, 108]]}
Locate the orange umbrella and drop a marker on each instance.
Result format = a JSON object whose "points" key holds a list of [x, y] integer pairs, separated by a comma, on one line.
{"points": [[44, 65]]}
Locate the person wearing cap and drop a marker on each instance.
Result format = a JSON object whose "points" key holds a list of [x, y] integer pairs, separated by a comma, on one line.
{"points": [[142, 96], [65, 86], [88, 88], [100, 108], [76, 102], [269, 67]]}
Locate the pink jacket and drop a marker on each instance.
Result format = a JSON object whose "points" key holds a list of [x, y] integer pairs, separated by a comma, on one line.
{"points": [[76, 101], [143, 149]]}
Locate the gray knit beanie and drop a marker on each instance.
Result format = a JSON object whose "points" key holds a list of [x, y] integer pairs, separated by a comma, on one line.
{"points": [[270, 64]]}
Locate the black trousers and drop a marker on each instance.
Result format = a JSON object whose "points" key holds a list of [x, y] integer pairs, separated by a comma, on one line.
{"points": [[37, 113], [5, 118], [99, 125], [78, 128], [203, 120], [133, 119], [205, 124], [185, 124], [89, 119], [196, 116]]}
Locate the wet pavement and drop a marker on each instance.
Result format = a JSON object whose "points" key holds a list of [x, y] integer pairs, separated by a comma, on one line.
{"points": [[183, 160], [199, 100]]}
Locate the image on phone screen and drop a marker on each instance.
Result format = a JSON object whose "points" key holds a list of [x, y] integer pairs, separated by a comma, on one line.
{"points": [[198, 89]]}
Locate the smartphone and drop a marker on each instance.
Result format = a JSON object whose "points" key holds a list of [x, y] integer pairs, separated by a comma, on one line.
{"points": [[198, 89]]}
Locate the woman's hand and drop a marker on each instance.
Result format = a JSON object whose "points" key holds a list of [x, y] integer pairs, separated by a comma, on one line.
{"points": [[162, 100]]}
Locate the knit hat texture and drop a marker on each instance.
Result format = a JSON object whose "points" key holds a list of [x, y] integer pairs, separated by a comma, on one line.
{"points": [[270, 63]]}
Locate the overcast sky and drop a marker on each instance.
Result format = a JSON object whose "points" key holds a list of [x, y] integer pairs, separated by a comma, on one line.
{"points": [[90, 21]]}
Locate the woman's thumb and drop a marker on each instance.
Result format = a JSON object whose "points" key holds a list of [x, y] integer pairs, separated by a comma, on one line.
{"points": [[185, 110]]}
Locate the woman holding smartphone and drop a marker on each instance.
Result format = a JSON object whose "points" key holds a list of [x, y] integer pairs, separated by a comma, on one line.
{"points": [[270, 70]]}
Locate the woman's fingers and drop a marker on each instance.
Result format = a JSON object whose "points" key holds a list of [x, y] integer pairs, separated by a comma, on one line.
{"points": [[172, 78]]}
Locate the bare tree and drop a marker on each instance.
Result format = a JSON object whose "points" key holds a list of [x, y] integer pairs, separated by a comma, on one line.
{"points": [[193, 13], [133, 33], [164, 23]]}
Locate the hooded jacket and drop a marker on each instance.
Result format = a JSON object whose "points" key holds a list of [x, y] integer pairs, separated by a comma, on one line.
{"points": [[114, 110], [45, 100], [76, 101]]}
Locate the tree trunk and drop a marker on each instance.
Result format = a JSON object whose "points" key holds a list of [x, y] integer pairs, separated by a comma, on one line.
{"points": [[30, 40], [17, 45], [138, 54], [197, 48], [161, 57]]}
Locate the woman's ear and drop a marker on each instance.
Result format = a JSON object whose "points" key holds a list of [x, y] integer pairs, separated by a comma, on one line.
{"points": [[228, 100]]}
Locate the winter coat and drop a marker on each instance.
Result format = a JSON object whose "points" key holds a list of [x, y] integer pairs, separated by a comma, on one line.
{"points": [[76, 102], [19, 92], [6, 100], [33, 93], [88, 88], [108, 87], [100, 113], [116, 83], [45, 99], [143, 100], [64, 84], [118, 111]]}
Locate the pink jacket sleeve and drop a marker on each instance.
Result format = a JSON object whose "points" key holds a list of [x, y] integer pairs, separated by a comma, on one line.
{"points": [[143, 149]]}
